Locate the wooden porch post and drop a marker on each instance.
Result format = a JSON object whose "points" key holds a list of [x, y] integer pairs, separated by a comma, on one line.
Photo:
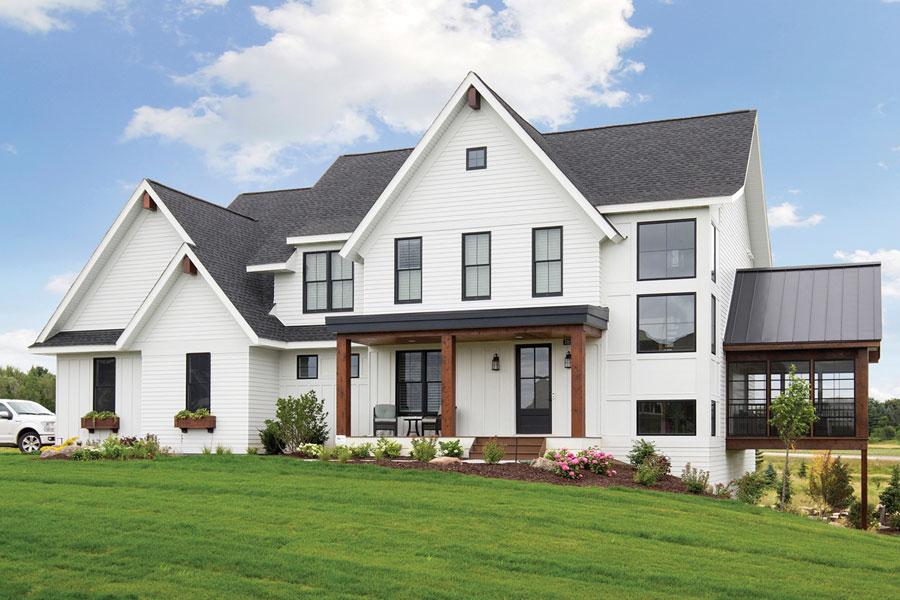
{"points": [[342, 416], [578, 381], [448, 385], [864, 485]]}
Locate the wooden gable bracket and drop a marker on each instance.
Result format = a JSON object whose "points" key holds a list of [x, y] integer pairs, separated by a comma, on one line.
{"points": [[148, 202], [473, 98], [188, 266]]}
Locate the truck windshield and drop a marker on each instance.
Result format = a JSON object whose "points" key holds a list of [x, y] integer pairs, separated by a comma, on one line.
{"points": [[26, 407]]}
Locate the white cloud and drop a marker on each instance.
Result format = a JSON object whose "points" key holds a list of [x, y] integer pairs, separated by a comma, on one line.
{"points": [[785, 215], [794, 192], [882, 165], [335, 71], [198, 7], [9, 148], [890, 266], [60, 284], [13, 350], [43, 15], [896, 148]]}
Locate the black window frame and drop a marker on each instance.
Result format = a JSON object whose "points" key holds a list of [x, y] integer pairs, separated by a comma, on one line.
{"points": [[665, 401], [712, 418], [469, 151], [96, 387], [397, 270], [313, 356], [354, 358], [465, 266], [715, 251], [424, 382], [667, 222], [713, 325], [534, 262], [328, 281], [638, 323], [189, 404]]}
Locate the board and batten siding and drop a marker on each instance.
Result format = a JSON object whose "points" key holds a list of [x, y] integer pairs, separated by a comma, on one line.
{"points": [[126, 277], [514, 194], [75, 393], [191, 318]]}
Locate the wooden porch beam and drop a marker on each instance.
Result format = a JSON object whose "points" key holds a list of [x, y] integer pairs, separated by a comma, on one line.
{"points": [[578, 381], [448, 385], [342, 387]]}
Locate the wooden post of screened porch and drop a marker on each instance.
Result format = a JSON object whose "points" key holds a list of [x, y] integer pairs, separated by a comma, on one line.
{"points": [[448, 385], [578, 380], [342, 387]]}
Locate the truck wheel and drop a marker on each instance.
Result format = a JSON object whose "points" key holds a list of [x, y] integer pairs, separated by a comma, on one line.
{"points": [[29, 442]]}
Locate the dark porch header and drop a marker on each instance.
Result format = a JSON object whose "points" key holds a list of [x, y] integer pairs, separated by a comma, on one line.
{"points": [[542, 316]]}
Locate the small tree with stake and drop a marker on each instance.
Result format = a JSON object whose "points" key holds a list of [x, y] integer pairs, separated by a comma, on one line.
{"points": [[793, 416]]}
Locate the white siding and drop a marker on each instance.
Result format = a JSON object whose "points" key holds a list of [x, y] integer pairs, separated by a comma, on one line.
{"points": [[508, 198], [263, 390], [125, 279], [191, 318], [75, 393]]}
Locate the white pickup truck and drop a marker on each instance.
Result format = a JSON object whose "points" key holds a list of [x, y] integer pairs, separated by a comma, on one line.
{"points": [[26, 424]]}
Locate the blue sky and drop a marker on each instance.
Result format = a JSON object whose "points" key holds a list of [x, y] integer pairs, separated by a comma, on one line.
{"points": [[216, 97]]}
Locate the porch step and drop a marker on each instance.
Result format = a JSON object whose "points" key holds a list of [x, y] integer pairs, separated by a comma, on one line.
{"points": [[517, 448]]}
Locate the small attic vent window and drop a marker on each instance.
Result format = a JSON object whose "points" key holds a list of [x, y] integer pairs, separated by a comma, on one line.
{"points": [[476, 158]]}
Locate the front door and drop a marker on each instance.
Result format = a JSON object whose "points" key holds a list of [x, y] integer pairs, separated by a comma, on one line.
{"points": [[533, 389]]}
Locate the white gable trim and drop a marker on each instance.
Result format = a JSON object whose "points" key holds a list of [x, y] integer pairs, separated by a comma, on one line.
{"points": [[269, 268], [758, 205], [352, 246], [669, 204], [53, 350], [157, 293], [126, 216], [302, 240]]}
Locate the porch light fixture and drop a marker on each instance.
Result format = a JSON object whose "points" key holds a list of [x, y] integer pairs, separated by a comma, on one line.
{"points": [[568, 361], [495, 363]]}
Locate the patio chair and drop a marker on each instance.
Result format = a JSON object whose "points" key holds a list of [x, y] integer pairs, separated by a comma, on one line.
{"points": [[384, 419], [433, 423]]}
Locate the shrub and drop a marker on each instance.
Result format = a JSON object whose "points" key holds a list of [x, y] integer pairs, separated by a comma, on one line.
{"points": [[647, 473], [493, 452], [342, 453], [252, 450], [325, 453], [206, 451], [893, 520], [829, 482], [389, 449], [451, 448], [100, 415], [112, 449], [597, 462], [309, 450], [890, 496], [87, 453], [270, 437], [568, 464], [424, 449], [300, 421], [770, 475], [722, 490], [854, 514], [223, 451], [695, 480], [801, 472], [640, 450], [193, 415], [378, 454], [361, 450], [749, 488]]}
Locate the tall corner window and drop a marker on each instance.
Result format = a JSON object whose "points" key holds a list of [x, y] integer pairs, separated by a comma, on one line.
{"points": [[713, 319], [354, 366], [835, 398], [746, 393], [476, 158], [476, 278], [407, 270], [105, 384], [667, 417], [712, 418], [547, 261], [198, 381], [307, 366], [327, 282], [714, 259], [666, 249], [666, 323]]}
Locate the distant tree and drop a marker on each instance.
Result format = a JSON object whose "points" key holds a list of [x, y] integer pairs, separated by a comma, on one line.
{"points": [[884, 414], [793, 416], [38, 385]]}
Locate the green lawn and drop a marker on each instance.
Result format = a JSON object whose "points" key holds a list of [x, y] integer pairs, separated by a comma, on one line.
{"points": [[244, 526]]}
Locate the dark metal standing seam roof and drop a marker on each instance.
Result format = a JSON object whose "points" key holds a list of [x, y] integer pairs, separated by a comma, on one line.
{"points": [[796, 305]]}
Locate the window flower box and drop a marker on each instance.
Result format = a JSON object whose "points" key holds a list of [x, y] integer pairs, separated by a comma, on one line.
{"points": [[207, 422], [104, 422]]}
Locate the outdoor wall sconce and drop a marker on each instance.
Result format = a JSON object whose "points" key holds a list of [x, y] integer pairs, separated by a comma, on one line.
{"points": [[495, 363], [568, 361]]}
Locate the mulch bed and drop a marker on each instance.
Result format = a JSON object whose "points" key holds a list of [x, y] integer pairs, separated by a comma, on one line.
{"points": [[524, 472]]}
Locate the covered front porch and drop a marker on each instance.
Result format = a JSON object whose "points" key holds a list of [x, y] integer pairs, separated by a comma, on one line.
{"points": [[506, 372]]}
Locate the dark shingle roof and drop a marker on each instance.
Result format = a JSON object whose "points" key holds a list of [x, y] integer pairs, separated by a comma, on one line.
{"points": [[95, 337], [823, 303]]}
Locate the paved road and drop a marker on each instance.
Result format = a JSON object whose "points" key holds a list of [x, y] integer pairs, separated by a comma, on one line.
{"points": [[835, 454]]}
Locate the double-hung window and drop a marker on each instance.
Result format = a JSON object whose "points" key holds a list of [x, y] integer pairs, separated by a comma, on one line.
{"points": [[666, 323], [327, 282], [667, 249], [105, 384], [476, 248], [198, 381], [547, 257], [408, 270]]}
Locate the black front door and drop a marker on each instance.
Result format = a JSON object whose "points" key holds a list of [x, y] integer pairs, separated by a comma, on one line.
{"points": [[533, 389]]}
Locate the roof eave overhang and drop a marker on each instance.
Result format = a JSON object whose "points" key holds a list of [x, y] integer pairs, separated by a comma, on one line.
{"points": [[269, 268], [674, 204], [83, 349]]}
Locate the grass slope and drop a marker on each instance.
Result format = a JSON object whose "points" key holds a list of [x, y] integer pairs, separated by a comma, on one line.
{"points": [[243, 526]]}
